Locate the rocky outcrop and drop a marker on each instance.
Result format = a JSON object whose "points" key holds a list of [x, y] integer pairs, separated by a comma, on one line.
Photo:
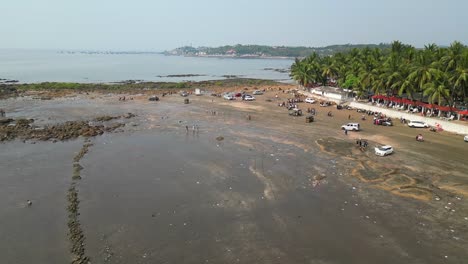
{"points": [[11, 129]]}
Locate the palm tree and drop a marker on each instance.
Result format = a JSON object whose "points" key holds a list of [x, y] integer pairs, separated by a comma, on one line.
{"points": [[438, 90], [439, 73], [454, 56], [300, 72], [422, 71], [459, 77], [329, 70]]}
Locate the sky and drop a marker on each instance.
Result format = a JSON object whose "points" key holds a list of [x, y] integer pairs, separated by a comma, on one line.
{"points": [[155, 25]]}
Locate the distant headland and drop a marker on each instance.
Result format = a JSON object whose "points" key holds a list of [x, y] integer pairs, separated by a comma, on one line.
{"points": [[261, 51]]}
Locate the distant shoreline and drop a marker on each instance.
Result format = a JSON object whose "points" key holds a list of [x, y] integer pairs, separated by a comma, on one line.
{"points": [[233, 57], [11, 90]]}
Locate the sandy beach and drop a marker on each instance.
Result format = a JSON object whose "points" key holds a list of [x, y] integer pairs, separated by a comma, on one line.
{"points": [[201, 183]]}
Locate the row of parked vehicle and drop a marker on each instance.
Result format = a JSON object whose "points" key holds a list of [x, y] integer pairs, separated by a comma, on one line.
{"points": [[243, 96]]}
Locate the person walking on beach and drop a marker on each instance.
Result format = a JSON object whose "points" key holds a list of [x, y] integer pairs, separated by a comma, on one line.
{"points": [[186, 128], [346, 132], [349, 117]]}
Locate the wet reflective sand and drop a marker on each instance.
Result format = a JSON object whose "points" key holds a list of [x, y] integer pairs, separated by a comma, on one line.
{"points": [[266, 193]]}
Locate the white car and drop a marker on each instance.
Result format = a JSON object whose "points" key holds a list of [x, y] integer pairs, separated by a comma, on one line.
{"points": [[383, 150], [418, 124], [257, 92], [248, 97], [351, 126], [228, 97], [465, 138], [309, 100]]}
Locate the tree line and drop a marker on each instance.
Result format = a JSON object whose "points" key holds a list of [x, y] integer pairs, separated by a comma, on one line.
{"points": [[438, 74], [273, 51]]}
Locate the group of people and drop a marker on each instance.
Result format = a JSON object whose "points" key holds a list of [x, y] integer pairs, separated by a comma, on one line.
{"points": [[311, 110], [295, 100], [362, 144], [195, 128], [288, 105]]}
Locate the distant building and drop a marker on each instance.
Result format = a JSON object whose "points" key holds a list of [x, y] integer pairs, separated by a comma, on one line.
{"points": [[336, 94]]}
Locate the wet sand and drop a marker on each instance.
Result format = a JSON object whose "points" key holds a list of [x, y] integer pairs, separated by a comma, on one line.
{"points": [[274, 190]]}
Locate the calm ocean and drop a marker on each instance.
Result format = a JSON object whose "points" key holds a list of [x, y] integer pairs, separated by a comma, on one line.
{"points": [[29, 66]]}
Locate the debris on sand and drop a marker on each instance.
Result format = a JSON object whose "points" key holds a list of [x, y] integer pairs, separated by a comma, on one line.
{"points": [[128, 115], [318, 180], [220, 138]]}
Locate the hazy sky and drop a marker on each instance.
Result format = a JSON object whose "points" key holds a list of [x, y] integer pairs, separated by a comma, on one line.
{"points": [[160, 25]]}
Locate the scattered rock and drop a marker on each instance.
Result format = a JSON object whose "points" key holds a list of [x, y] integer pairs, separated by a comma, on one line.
{"points": [[128, 115], [105, 118], [6, 121]]}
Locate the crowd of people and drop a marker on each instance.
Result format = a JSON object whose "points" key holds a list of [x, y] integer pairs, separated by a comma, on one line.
{"points": [[291, 103]]}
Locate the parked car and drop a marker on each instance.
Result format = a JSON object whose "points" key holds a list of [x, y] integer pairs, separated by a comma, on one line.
{"points": [[418, 124], [258, 92], [228, 97], [184, 94], [309, 100], [248, 97], [351, 126], [465, 138], [383, 150], [153, 98], [383, 122]]}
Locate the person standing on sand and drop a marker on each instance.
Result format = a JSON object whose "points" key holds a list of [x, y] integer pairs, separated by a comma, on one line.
{"points": [[349, 117], [346, 132], [186, 128]]}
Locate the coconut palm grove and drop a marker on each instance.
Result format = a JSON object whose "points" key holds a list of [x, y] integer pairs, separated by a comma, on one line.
{"points": [[438, 75]]}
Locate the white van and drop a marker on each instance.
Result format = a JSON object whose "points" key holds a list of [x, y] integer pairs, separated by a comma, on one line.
{"points": [[351, 126]]}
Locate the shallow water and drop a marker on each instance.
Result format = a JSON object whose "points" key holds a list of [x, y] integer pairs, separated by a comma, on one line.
{"points": [[40, 173], [174, 198]]}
